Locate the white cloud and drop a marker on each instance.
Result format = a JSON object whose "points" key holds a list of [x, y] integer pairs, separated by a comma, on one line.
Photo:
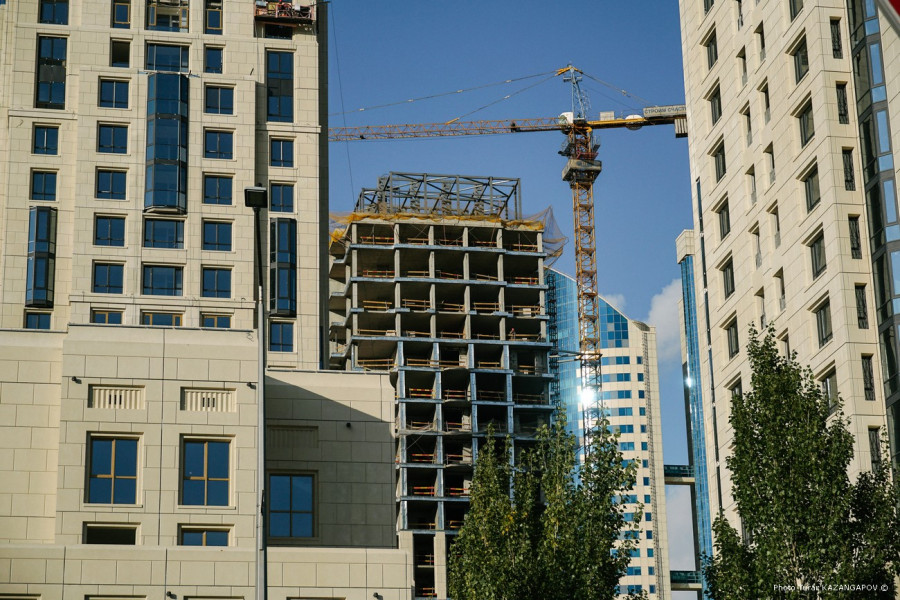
{"points": [[616, 300], [681, 528], [664, 316]]}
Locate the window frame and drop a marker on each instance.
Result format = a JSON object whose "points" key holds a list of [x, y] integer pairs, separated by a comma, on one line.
{"points": [[116, 87], [819, 261], [112, 476], [117, 188], [218, 93], [114, 130], [800, 54], [807, 123], [41, 320], [207, 67], [210, 178], [43, 176], [150, 240], [204, 530], [205, 476], [731, 335], [109, 239], [812, 190], [149, 315], [45, 148], [215, 146], [728, 277], [149, 272], [107, 313], [281, 161], [215, 320], [216, 245], [114, 272], [281, 188], [291, 511], [282, 346], [824, 326], [220, 284]]}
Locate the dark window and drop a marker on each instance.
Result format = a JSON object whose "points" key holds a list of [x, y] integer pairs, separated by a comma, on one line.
{"points": [[122, 536], [811, 189], [724, 221], [162, 280], [281, 336], [121, 14], [862, 309], [731, 332], [106, 317], [163, 233], [708, 4], [112, 139], [216, 189], [291, 506], [761, 36], [40, 273], [823, 323], [216, 235], [875, 446], [817, 253], [113, 93], [712, 51], [849, 177], [111, 185], [161, 57], [830, 390], [204, 537], [46, 140], [719, 161], [216, 283], [213, 23], [212, 59], [868, 378], [728, 278], [54, 12], [807, 125], [161, 319], [801, 61], [283, 267], [205, 473], [113, 471], [218, 144], [215, 321], [109, 231], [219, 100], [279, 86], [837, 50], [855, 240], [843, 110], [278, 32], [51, 73], [37, 320], [715, 105], [795, 7], [43, 185], [282, 198], [119, 53], [108, 278], [281, 153]]}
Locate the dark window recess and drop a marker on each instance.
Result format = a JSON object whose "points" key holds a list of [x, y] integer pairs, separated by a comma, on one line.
{"points": [[122, 536], [215, 321], [719, 161], [217, 190], [278, 32], [50, 84], [280, 86], [46, 140], [817, 254], [204, 537], [807, 125], [108, 278], [801, 61], [43, 185], [106, 317], [109, 231], [855, 239], [281, 336], [837, 50], [868, 378], [732, 334], [712, 51], [163, 233], [219, 100], [40, 271], [213, 21], [830, 390], [112, 139], [715, 106], [728, 278], [167, 143], [811, 189], [823, 323], [113, 471], [282, 198], [283, 267], [204, 470], [37, 320], [795, 7], [54, 12], [843, 109], [212, 59], [875, 446], [162, 280], [120, 53], [862, 308], [849, 177], [724, 221]]}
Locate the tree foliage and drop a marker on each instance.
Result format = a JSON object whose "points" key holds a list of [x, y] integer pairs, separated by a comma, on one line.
{"points": [[806, 528], [556, 536]]}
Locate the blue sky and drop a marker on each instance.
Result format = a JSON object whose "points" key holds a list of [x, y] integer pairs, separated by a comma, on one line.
{"points": [[389, 52]]}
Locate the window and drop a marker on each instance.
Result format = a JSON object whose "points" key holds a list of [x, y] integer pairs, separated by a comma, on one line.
{"points": [[108, 278], [112, 139], [761, 40], [109, 231], [216, 283], [748, 125], [280, 86], [50, 89], [283, 267], [736, 390], [40, 269], [113, 470], [807, 125], [757, 245], [742, 63], [215, 321], [779, 280], [291, 506], [740, 13], [817, 254], [770, 159], [715, 105], [37, 320], [862, 309], [728, 278], [795, 7], [121, 14], [868, 378], [278, 32], [54, 12], [216, 189], [708, 4], [43, 185], [830, 389], [219, 100], [216, 236], [106, 317], [843, 110], [801, 61], [751, 184], [767, 108], [811, 188], [46, 140], [173, 59], [122, 535], [205, 472], [168, 15], [281, 153], [120, 53], [218, 144], [724, 220], [731, 332], [849, 177], [712, 50], [212, 59], [213, 21], [875, 446], [776, 226], [855, 240], [163, 233], [162, 280], [113, 93], [837, 50], [281, 336], [203, 536], [161, 319], [110, 185], [719, 160], [823, 323], [282, 198]]}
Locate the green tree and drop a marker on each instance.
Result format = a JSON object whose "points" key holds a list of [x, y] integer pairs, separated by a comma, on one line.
{"points": [[557, 535], [805, 525]]}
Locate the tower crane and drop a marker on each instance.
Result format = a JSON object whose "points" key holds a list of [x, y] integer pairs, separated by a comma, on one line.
{"points": [[580, 172]]}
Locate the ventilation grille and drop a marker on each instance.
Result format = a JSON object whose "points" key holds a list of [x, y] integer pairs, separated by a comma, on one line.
{"points": [[208, 400], [119, 398], [289, 442]]}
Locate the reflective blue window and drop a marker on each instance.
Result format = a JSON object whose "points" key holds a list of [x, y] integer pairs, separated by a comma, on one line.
{"points": [[219, 100], [291, 506], [112, 139], [218, 144], [216, 283], [55, 12], [111, 185], [216, 190], [625, 446], [109, 231], [279, 86], [37, 320], [642, 411], [50, 90], [281, 153], [43, 185], [162, 280], [46, 140], [108, 278], [281, 336], [113, 93], [283, 267], [205, 473], [161, 319], [282, 198], [204, 537], [216, 236], [40, 271], [113, 471], [161, 57], [215, 321], [633, 571], [106, 317], [212, 59], [213, 24], [121, 14], [163, 233]]}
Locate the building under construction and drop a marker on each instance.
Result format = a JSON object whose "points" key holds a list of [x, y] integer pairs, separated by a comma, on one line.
{"points": [[439, 280]]}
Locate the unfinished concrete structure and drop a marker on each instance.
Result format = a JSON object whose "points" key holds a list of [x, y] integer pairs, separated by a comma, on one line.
{"points": [[440, 281]]}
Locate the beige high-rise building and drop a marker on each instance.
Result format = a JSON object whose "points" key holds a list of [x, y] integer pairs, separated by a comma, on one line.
{"points": [[793, 113], [129, 372]]}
